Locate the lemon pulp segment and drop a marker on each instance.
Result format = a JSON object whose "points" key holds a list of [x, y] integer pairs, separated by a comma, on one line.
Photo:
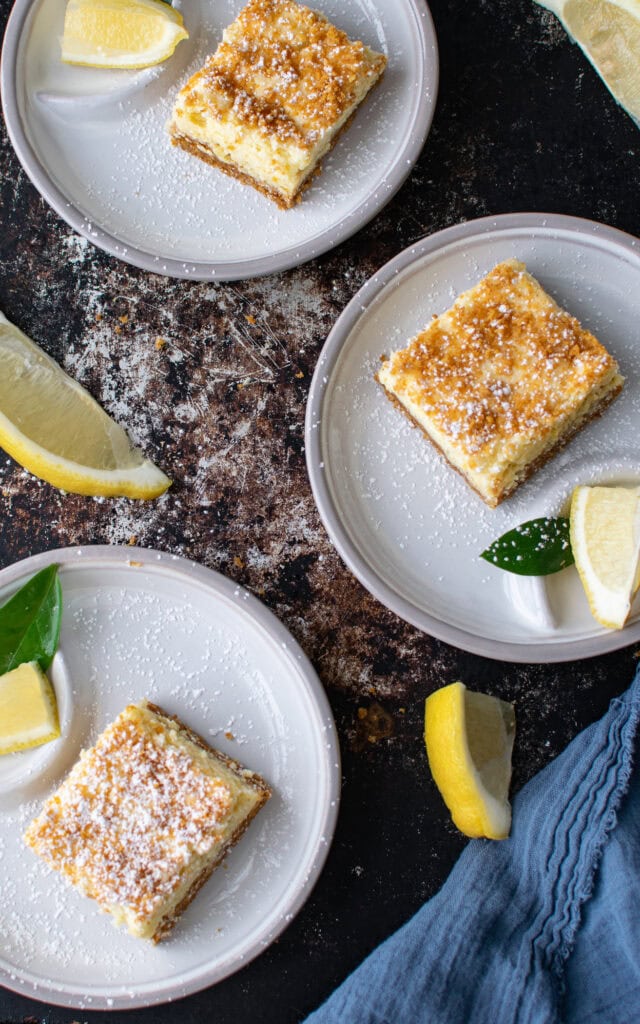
{"points": [[605, 540], [28, 709], [608, 31], [469, 740], [56, 430], [120, 33]]}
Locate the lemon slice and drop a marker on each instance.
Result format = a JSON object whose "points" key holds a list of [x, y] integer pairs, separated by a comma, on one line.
{"points": [[469, 739], [55, 429], [608, 31], [120, 33], [605, 540], [28, 709]]}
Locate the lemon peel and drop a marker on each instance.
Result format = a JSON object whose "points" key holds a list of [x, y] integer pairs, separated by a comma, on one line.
{"points": [[605, 540], [57, 431], [120, 33], [28, 709], [608, 32], [469, 740]]}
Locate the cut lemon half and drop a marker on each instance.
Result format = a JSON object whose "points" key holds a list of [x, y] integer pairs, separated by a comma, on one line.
{"points": [[55, 429], [120, 33], [469, 739], [28, 709], [605, 540], [608, 31]]}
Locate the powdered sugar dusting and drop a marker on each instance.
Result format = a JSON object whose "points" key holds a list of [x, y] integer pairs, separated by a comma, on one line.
{"points": [[141, 627], [130, 817]]}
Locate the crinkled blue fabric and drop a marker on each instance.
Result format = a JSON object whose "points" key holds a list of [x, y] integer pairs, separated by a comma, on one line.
{"points": [[542, 928]]}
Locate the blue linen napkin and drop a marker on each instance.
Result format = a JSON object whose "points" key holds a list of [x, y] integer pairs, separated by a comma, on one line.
{"points": [[541, 928]]}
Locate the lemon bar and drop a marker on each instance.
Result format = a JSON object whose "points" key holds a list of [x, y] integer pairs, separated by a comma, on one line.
{"points": [[501, 380], [270, 102], [144, 817]]}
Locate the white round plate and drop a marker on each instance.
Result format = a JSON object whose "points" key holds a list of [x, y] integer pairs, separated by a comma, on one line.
{"points": [[405, 523], [142, 624], [94, 143]]}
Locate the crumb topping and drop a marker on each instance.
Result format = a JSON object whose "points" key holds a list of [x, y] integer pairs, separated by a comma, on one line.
{"points": [[504, 361], [283, 69], [131, 815]]}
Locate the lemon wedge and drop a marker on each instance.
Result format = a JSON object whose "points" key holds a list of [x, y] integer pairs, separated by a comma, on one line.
{"points": [[608, 31], [469, 739], [605, 540], [28, 709], [55, 429], [120, 33]]}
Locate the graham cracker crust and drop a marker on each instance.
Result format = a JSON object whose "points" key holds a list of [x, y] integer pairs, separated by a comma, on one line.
{"points": [[204, 153]]}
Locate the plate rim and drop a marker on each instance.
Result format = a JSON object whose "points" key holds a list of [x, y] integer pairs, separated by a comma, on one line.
{"points": [[221, 270], [337, 339], [246, 603]]}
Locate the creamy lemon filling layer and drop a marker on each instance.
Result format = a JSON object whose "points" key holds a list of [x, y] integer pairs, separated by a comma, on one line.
{"points": [[274, 163], [495, 472], [144, 817], [271, 101], [501, 379]]}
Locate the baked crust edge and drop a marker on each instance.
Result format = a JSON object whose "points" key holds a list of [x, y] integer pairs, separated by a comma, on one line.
{"points": [[252, 779], [531, 467]]}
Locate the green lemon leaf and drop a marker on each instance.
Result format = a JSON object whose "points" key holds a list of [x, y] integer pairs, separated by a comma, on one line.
{"points": [[536, 548], [30, 622]]}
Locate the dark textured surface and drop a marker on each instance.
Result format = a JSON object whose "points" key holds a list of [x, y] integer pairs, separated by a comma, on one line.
{"points": [[522, 123]]}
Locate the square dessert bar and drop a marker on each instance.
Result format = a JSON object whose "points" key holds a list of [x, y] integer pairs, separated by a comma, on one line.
{"points": [[144, 817], [270, 102], [502, 380]]}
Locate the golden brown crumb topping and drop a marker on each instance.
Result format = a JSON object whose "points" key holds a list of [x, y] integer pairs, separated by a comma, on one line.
{"points": [[131, 815], [284, 69], [505, 360]]}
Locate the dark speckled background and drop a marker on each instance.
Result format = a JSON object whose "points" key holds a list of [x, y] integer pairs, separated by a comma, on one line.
{"points": [[522, 123]]}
